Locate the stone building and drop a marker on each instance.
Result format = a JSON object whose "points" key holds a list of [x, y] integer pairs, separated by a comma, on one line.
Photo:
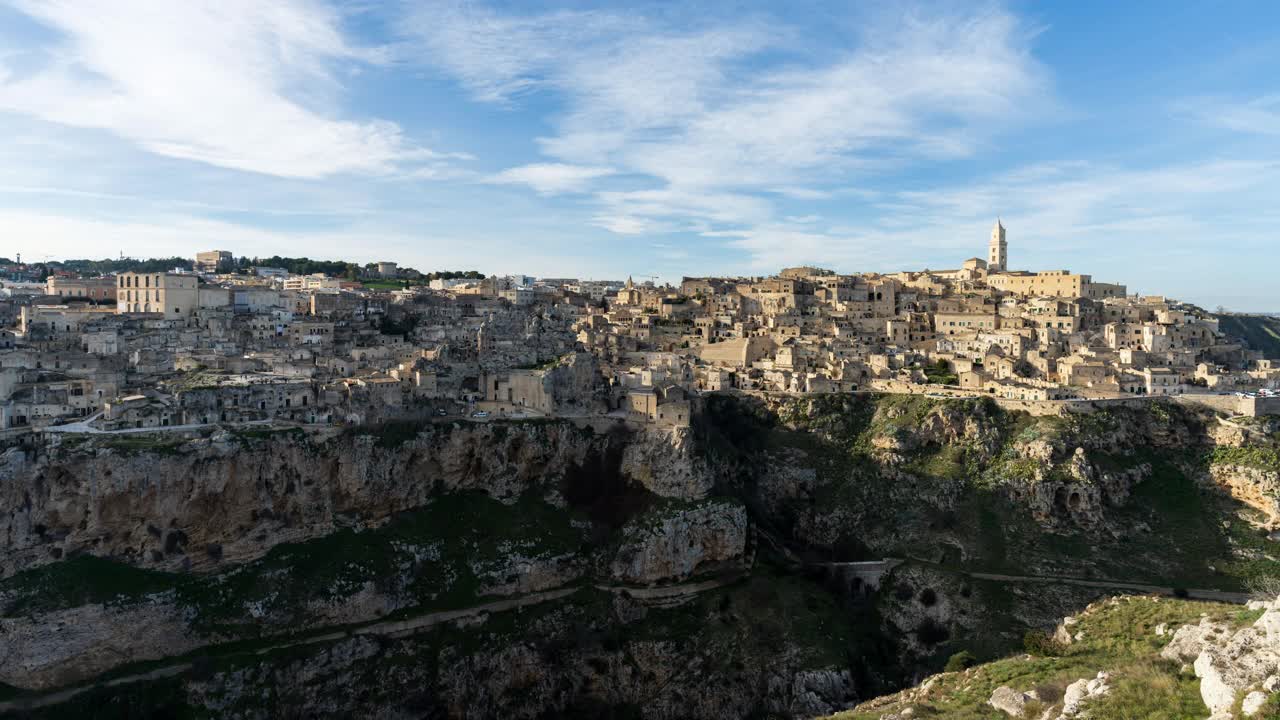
{"points": [[174, 295], [101, 289], [213, 261]]}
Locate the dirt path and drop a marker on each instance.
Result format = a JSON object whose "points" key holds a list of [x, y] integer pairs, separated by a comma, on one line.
{"points": [[1195, 594]]}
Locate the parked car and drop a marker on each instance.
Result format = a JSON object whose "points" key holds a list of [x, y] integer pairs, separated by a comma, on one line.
{"points": [[480, 414]]}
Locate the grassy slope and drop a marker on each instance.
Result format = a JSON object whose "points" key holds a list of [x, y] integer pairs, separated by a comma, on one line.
{"points": [[1118, 636]]}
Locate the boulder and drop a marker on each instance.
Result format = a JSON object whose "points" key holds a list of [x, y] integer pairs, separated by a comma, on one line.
{"points": [[1218, 696], [1010, 701], [1190, 640], [1253, 702], [1080, 691]]}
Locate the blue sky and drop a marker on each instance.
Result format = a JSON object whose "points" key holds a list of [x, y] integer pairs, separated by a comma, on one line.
{"points": [[1138, 142]]}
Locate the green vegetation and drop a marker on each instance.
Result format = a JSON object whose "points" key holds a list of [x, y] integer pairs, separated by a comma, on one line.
{"points": [[734, 632], [303, 265], [92, 268], [438, 557], [248, 435], [759, 617], [1261, 458], [1117, 636], [78, 581], [394, 433], [1262, 332], [962, 660], [160, 443], [940, 373]]}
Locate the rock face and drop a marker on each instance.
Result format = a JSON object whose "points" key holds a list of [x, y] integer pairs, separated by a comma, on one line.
{"points": [[210, 503], [676, 544], [63, 647], [1230, 664], [1257, 488], [667, 463]]}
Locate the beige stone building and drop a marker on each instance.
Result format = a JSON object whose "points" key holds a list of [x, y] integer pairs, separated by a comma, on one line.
{"points": [[213, 261], [1054, 283], [173, 295], [97, 289]]}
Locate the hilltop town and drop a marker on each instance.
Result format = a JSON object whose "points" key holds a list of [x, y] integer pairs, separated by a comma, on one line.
{"points": [[228, 341]]}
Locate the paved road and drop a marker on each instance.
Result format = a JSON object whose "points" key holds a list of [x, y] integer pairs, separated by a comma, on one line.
{"points": [[83, 427]]}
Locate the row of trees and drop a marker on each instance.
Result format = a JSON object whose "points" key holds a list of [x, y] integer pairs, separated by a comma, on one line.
{"points": [[295, 265], [104, 267], [349, 270]]}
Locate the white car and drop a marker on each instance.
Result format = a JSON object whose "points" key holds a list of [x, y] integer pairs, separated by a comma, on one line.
{"points": [[480, 414]]}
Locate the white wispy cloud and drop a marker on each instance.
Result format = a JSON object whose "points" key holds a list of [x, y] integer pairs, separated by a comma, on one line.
{"points": [[719, 116], [551, 178], [1134, 225], [234, 83]]}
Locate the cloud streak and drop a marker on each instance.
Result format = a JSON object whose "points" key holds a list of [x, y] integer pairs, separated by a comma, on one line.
{"points": [[720, 118], [234, 83], [551, 178]]}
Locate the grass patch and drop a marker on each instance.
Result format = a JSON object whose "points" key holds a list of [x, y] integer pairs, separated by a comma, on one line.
{"points": [[437, 557], [80, 580], [1117, 636], [139, 443]]}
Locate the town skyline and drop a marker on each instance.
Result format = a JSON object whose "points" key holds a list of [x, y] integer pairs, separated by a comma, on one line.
{"points": [[718, 139], [996, 254]]}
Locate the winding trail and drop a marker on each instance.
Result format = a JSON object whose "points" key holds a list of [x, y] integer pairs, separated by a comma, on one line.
{"points": [[888, 564], [1226, 596]]}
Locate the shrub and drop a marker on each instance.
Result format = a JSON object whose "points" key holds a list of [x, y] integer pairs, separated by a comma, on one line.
{"points": [[1039, 642], [928, 597], [960, 661]]}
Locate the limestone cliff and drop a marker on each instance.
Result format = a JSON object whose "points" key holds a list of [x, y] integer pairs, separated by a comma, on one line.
{"points": [[584, 567], [209, 502]]}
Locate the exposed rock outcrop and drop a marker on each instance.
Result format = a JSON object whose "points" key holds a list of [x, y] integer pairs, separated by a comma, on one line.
{"points": [[1231, 664], [211, 502], [676, 544], [1011, 702], [1255, 487]]}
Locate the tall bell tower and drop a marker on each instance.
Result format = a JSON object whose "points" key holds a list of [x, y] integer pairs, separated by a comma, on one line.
{"points": [[997, 250]]}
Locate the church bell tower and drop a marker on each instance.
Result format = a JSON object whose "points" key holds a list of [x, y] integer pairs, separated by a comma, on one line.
{"points": [[997, 250]]}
